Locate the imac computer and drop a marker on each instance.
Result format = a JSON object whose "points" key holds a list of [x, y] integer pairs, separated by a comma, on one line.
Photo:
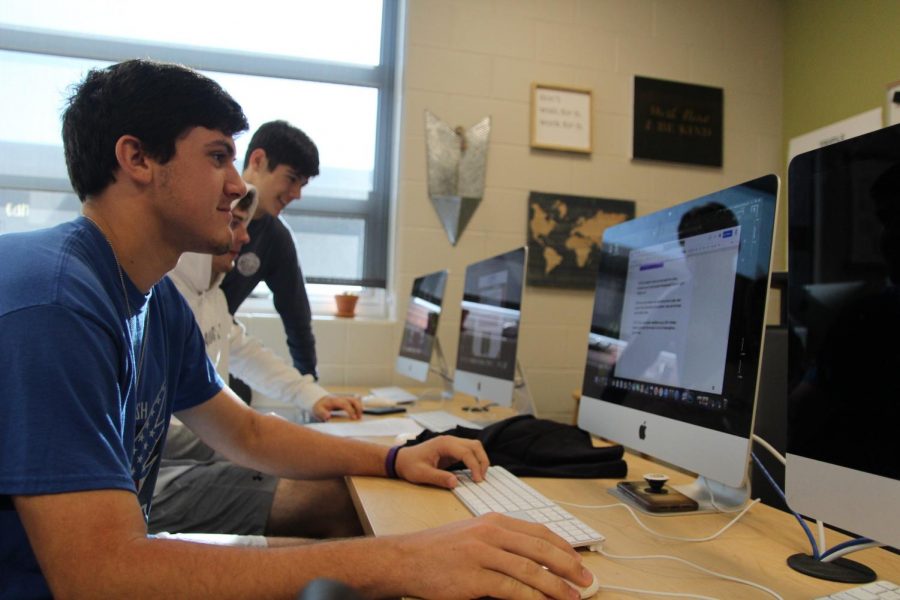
{"points": [[676, 336], [489, 329], [420, 340], [843, 447]]}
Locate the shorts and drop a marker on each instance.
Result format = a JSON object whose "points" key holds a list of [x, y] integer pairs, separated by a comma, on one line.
{"points": [[211, 497]]}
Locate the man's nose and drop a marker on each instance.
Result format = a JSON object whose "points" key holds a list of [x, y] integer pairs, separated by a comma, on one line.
{"points": [[235, 187]]}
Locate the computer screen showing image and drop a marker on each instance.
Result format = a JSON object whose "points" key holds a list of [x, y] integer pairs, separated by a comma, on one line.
{"points": [[676, 335], [489, 328], [420, 327], [843, 450]]}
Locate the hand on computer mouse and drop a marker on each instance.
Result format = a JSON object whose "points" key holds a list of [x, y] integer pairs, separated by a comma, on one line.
{"points": [[588, 591]]}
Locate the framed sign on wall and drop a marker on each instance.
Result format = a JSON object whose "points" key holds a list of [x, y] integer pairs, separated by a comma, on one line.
{"points": [[561, 118], [677, 122]]}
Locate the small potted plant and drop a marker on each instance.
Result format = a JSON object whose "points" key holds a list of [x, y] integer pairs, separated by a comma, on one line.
{"points": [[346, 304]]}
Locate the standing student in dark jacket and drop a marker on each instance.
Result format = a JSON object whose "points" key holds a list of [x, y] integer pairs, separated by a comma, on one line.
{"points": [[280, 161]]}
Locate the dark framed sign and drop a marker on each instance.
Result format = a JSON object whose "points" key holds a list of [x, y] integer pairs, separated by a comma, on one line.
{"points": [[564, 236], [677, 122]]}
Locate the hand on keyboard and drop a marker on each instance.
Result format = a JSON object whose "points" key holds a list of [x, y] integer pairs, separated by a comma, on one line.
{"points": [[424, 463]]}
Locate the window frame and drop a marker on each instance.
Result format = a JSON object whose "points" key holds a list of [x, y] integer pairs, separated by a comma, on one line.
{"points": [[374, 212]]}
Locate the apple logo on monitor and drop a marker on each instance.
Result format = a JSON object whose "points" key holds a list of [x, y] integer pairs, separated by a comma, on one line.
{"points": [[642, 430]]}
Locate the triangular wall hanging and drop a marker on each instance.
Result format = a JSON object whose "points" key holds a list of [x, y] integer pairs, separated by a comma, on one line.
{"points": [[457, 160]]}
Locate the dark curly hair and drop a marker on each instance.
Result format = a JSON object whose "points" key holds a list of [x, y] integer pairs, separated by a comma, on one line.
{"points": [[153, 101], [285, 144]]}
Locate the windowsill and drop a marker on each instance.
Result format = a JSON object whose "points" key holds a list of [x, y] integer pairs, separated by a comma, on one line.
{"points": [[262, 308]]}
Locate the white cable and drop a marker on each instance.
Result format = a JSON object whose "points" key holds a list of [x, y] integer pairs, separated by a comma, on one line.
{"points": [[656, 533], [655, 593], [694, 565], [849, 549], [770, 448], [783, 460]]}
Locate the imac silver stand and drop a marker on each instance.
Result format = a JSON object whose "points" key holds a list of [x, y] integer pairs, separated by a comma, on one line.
{"points": [[522, 402], [713, 496], [442, 371]]}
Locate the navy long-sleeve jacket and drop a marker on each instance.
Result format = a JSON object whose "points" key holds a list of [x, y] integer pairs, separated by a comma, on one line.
{"points": [[271, 256]]}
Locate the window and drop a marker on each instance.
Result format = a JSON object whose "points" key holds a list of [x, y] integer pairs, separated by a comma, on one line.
{"points": [[327, 67]]}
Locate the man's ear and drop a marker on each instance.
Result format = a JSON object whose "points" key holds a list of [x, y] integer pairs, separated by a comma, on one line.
{"points": [[258, 160], [133, 162]]}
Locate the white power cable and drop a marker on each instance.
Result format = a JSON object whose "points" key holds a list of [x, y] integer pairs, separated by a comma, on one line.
{"points": [[656, 533], [770, 448], [849, 549], [690, 564], [783, 460], [655, 593]]}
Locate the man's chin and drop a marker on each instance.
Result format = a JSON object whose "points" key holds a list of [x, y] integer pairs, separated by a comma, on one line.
{"points": [[272, 211], [217, 248]]}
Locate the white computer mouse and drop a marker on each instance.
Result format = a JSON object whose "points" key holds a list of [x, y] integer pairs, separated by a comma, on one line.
{"points": [[590, 590]]}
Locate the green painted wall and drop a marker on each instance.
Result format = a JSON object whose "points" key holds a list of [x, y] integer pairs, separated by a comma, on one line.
{"points": [[839, 56]]}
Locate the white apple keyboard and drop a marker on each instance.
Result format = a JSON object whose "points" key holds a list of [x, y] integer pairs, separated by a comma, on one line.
{"points": [[439, 421], [397, 394], [877, 590], [503, 492]]}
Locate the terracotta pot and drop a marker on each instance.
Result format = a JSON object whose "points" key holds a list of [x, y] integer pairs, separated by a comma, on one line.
{"points": [[346, 304]]}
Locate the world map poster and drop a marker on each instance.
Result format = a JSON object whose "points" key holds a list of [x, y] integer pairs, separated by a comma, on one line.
{"points": [[564, 235]]}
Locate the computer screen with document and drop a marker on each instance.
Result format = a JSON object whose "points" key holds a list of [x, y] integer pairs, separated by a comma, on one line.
{"points": [[676, 332]]}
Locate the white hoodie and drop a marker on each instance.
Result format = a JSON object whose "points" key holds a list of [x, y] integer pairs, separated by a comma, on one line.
{"points": [[227, 343]]}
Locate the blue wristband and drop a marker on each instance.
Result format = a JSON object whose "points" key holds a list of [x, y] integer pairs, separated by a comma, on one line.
{"points": [[390, 462]]}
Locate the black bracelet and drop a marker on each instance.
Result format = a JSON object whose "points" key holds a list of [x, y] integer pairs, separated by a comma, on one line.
{"points": [[390, 462]]}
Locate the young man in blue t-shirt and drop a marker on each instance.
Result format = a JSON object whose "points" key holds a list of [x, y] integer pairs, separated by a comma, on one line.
{"points": [[98, 349]]}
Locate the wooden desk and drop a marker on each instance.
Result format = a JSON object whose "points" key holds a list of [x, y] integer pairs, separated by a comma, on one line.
{"points": [[755, 548]]}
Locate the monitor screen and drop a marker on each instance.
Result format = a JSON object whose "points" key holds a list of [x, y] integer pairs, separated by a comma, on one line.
{"points": [[420, 327], [676, 330], [489, 327], [843, 461]]}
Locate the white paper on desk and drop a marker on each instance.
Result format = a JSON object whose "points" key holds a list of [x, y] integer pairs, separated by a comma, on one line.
{"points": [[390, 426]]}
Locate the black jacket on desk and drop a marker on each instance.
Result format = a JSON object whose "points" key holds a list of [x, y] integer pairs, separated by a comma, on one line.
{"points": [[531, 447], [271, 256]]}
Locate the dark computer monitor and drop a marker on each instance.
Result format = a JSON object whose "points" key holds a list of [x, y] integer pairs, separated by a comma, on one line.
{"points": [[489, 328], [420, 327], [676, 335], [843, 448]]}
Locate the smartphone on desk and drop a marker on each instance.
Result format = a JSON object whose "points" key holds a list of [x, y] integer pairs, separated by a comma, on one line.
{"points": [[383, 410], [670, 501]]}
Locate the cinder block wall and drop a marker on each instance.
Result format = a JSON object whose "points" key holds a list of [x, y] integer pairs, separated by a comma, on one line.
{"points": [[467, 59]]}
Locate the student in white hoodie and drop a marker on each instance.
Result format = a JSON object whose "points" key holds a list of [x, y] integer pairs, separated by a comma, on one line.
{"points": [[197, 491], [197, 277]]}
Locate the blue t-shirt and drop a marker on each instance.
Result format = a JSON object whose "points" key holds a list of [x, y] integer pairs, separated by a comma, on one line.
{"points": [[85, 399]]}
